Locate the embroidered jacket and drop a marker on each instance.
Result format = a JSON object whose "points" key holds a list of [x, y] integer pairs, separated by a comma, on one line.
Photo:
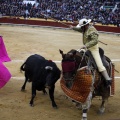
{"points": [[90, 37]]}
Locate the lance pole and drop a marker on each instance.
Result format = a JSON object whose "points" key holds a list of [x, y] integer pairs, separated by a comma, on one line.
{"points": [[55, 20], [68, 25], [102, 42]]}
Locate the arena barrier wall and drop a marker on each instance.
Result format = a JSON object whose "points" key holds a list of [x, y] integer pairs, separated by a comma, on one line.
{"points": [[43, 22]]}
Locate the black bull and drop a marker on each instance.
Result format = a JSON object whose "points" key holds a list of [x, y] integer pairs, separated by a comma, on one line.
{"points": [[42, 73]]}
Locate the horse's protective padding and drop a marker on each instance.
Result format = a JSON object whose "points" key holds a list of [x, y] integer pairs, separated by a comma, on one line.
{"points": [[81, 86]]}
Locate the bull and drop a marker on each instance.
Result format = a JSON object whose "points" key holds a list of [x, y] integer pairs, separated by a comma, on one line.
{"points": [[42, 74]]}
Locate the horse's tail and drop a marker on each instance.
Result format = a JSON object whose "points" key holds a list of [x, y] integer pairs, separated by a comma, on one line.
{"points": [[22, 68]]}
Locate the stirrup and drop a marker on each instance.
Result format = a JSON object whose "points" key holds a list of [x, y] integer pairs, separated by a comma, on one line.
{"points": [[108, 83]]}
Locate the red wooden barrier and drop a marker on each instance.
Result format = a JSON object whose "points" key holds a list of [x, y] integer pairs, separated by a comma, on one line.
{"points": [[55, 24]]}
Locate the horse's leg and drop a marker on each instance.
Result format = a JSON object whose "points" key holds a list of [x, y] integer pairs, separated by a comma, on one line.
{"points": [[86, 106], [105, 97], [105, 93], [84, 114], [102, 107]]}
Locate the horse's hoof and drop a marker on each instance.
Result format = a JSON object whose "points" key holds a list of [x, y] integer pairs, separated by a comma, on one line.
{"points": [[101, 111], [84, 118]]}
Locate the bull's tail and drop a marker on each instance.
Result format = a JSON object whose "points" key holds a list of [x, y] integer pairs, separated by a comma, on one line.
{"points": [[22, 68]]}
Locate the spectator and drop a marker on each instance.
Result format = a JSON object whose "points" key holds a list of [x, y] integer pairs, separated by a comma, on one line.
{"points": [[69, 10]]}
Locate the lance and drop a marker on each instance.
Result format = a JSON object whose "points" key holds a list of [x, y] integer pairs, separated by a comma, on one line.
{"points": [[102, 42], [55, 19], [116, 70], [68, 25]]}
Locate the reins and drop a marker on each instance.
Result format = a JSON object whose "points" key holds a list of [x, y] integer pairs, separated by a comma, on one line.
{"points": [[82, 59]]}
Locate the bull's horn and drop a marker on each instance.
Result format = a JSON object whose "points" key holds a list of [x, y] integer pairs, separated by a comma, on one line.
{"points": [[48, 68]]}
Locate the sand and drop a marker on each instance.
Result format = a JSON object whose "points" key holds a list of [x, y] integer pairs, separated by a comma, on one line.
{"points": [[23, 41]]}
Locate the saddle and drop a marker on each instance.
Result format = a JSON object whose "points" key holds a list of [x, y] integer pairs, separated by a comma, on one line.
{"points": [[107, 63], [103, 58]]}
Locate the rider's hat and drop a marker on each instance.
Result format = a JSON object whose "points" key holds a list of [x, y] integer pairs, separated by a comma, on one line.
{"points": [[83, 22]]}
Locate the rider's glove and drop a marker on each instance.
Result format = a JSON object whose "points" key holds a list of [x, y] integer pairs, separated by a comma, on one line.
{"points": [[84, 47]]}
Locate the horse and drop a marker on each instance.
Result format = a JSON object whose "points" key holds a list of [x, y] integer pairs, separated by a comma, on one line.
{"points": [[81, 81]]}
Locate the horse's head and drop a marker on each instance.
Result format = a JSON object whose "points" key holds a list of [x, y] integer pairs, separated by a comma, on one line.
{"points": [[69, 64]]}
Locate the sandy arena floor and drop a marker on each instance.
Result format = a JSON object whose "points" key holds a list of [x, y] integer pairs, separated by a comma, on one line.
{"points": [[21, 42]]}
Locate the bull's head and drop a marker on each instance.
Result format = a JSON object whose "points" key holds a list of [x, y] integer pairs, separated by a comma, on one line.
{"points": [[52, 75], [49, 75]]}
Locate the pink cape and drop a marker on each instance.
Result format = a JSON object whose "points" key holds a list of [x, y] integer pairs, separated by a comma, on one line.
{"points": [[5, 75], [3, 53]]}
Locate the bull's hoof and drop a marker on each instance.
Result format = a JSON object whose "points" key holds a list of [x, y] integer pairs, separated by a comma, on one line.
{"points": [[55, 107], [47, 87], [22, 89], [32, 105], [45, 92], [29, 80]]}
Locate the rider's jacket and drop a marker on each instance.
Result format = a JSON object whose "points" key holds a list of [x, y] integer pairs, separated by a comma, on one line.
{"points": [[90, 36]]}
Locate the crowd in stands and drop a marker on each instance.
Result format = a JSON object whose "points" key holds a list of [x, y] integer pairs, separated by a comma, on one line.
{"points": [[105, 12]]}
